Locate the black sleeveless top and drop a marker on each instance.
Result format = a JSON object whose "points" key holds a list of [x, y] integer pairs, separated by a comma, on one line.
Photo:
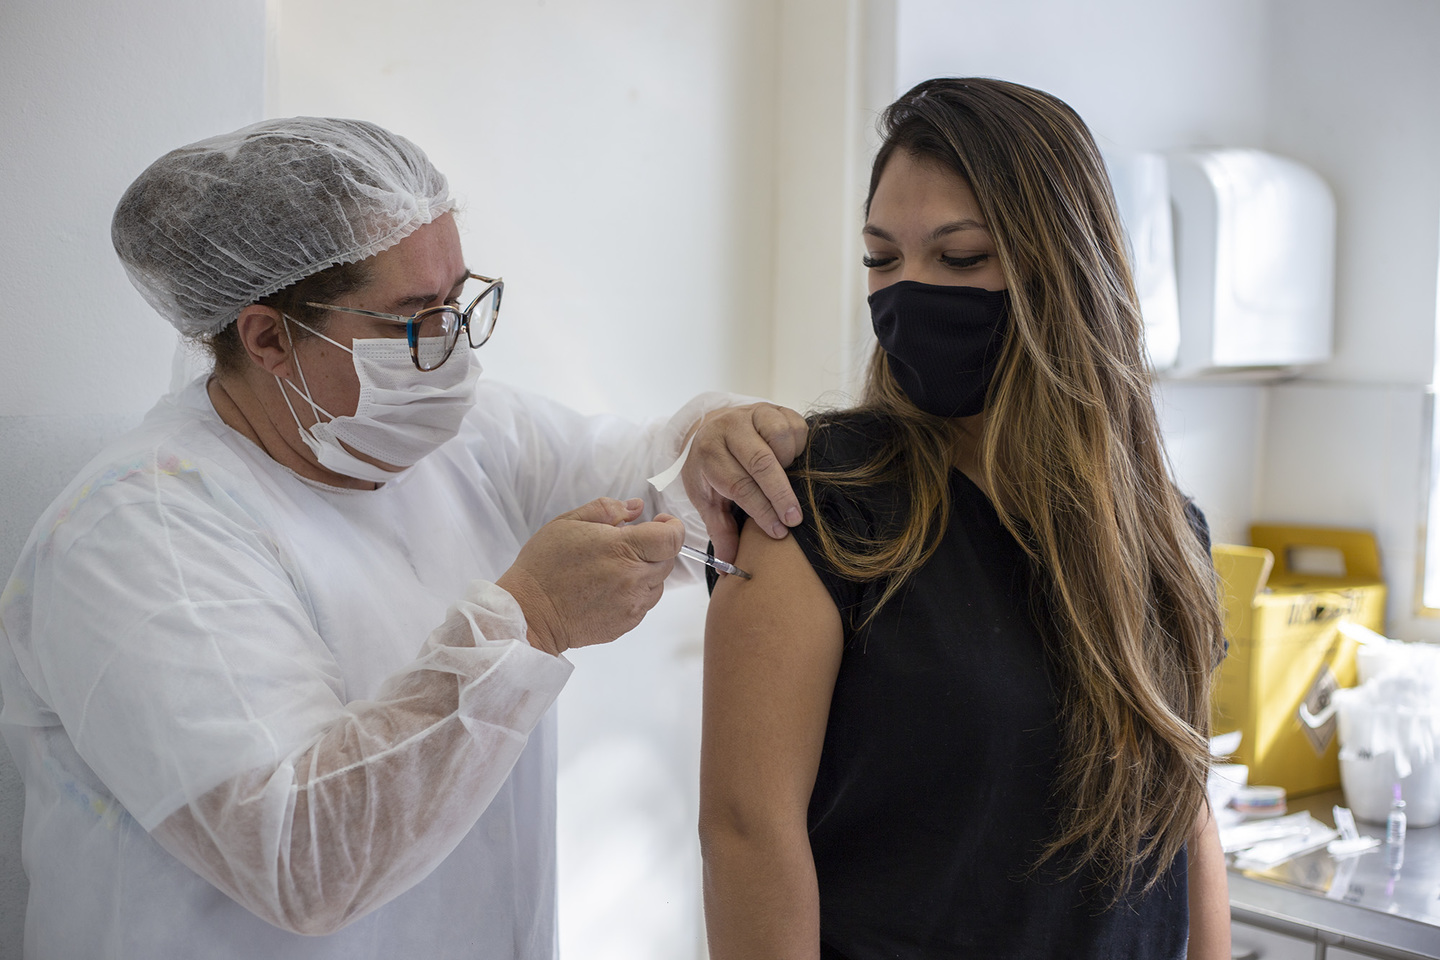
{"points": [[934, 794]]}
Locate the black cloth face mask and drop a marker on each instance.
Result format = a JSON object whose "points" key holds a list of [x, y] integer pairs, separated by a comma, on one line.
{"points": [[943, 342]]}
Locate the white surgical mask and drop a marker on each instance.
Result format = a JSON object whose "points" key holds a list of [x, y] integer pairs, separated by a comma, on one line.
{"points": [[403, 413]]}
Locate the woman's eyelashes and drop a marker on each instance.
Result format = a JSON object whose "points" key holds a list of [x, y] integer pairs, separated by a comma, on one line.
{"points": [[963, 262], [958, 263]]}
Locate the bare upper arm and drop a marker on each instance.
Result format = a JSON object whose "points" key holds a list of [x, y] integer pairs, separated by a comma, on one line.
{"points": [[772, 652], [1209, 891]]}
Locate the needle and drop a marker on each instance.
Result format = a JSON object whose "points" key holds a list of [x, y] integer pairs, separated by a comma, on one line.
{"points": [[709, 561]]}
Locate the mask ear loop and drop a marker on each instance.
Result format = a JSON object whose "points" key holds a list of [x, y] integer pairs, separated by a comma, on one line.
{"points": [[316, 333], [314, 407]]}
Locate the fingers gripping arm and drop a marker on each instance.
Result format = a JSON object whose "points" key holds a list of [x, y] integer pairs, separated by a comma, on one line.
{"points": [[739, 455]]}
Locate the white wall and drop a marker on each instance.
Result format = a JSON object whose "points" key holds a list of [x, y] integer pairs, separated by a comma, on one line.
{"points": [[836, 72], [1143, 75], [1352, 90], [92, 93]]}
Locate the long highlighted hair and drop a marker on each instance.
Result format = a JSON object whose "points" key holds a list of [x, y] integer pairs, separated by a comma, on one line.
{"points": [[1072, 452]]}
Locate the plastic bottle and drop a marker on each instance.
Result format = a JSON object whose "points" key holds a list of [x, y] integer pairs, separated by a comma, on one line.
{"points": [[1395, 841], [1395, 822]]}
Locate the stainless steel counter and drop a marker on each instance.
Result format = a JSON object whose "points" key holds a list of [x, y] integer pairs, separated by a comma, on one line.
{"points": [[1357, 903]]}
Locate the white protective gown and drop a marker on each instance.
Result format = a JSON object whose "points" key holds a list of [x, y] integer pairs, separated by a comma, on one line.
{"points": [[218, 676]]}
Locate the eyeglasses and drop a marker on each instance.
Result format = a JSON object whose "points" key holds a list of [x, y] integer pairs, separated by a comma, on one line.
{"points": [[434, 332]]}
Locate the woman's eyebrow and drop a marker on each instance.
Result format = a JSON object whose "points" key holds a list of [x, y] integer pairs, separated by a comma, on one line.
{"points": [[418, 300], [945, 229], [415, 300], [954, 226]]}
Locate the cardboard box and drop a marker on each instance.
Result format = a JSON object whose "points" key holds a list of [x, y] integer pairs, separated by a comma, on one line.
{"points": [[1284, 598]]}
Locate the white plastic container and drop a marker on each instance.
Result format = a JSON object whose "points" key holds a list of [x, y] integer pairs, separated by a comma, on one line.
{"points": [[1389, 731], [1378, 659]]}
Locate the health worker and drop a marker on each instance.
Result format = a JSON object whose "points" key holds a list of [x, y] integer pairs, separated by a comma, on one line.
{"points": [[277, 666]]}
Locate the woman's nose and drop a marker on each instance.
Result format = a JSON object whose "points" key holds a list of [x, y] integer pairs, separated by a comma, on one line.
{"points": [[917, 270]]}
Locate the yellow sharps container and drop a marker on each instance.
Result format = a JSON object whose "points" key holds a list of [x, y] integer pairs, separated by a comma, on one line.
{"points": [[1284, 598]]}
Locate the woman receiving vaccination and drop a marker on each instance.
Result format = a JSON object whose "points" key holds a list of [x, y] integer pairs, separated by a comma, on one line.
{"points": [[964, 711], [277, 666]]}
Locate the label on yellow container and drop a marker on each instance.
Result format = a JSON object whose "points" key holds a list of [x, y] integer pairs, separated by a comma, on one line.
{"points": [[1317, 698]]}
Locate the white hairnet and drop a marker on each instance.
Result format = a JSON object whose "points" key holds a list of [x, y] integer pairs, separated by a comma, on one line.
{"points": [[214, 226]]}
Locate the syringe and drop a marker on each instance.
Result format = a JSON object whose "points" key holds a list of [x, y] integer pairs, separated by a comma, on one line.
{"points": [[688, 551]]}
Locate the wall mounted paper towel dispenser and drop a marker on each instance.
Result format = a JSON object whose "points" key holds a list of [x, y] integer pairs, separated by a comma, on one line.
{"points": [[1142, 195], [1255, 262]]}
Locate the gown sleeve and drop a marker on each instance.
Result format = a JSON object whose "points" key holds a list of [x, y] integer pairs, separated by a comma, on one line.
{"points": [[168, 635], [389, 787], [568, 459]]}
